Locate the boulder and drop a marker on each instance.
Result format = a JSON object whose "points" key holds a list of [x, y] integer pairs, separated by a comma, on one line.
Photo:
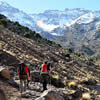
{"points": [[50, 95], [54, 80], [13, 84], [57, 82], [80, 95], [86, 96], [5, 74], [89, 82], [77, 94]]}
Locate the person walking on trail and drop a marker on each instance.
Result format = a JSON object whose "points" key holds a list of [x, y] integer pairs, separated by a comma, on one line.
{"points": [[23, 76], [44, 76]]}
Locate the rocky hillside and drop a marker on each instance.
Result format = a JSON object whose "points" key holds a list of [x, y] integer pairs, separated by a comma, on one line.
{"points": [[76, 28], [23, 48], [82, 37], [69, 67]]}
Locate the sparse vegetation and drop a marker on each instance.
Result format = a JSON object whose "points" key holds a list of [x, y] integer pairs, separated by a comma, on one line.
{"points": [[77, 54], [59, 45], [2, 17], [23, 31], [69, 50], [67, 55], [27, 35], [3, 22]]}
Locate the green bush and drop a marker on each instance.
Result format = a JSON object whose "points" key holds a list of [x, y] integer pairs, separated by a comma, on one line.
{"points": [[67, 55], [27, 35], [77, 54], [3, 22], [2, 17], [37, 35], [70, 50], [31, 34], [59, 45], [17, 24]]}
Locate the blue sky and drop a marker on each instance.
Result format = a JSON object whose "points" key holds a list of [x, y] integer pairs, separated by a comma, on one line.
{"points": [[39, 6]]}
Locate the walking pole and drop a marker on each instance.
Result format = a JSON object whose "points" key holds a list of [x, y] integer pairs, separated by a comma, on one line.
{"points": [[20, 91], [40, 78], [50, 82]]}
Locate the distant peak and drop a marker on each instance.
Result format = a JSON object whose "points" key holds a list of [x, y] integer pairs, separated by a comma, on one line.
{"points": [[80, 9], [46, 11], [2, 2]]}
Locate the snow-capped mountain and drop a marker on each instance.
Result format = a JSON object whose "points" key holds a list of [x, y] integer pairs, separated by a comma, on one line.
{"points": [[43, 22], [15, 14], [58, 23], [57, 17], [70, 27], [52, 19]]}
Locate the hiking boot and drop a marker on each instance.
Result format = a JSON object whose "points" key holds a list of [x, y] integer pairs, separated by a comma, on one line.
{"points": [[44, 90], [24, 89]]}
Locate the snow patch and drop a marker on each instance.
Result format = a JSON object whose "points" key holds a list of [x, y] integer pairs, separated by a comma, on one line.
{"points": [[46, 27], [98, 25], [84, 19], [54, 34]]}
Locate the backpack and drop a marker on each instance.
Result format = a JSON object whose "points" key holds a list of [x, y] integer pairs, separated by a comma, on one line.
{"points": [[48, 66], [22, 70]]}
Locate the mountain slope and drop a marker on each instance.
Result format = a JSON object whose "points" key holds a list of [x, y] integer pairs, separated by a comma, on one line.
{"points": [[15, 14], [34, 53], [15, 48], [82, 34]]}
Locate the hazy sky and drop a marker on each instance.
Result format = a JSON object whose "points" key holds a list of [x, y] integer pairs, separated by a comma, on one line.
{"points": [[38, 6]]}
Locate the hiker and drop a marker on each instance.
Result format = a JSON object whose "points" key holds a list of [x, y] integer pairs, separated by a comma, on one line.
{"points": [[23, 76], [44, 75]]}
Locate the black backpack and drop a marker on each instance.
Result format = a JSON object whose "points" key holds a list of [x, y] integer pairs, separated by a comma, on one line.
{"points": [[22, 70], [48, 66]]}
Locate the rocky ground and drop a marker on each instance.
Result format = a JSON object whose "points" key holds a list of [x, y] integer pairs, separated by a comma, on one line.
{"points": [[70, 76], [70, 91]]}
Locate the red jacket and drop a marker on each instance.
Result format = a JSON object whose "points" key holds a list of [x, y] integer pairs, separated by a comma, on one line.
{"points": [[44, 68]]}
